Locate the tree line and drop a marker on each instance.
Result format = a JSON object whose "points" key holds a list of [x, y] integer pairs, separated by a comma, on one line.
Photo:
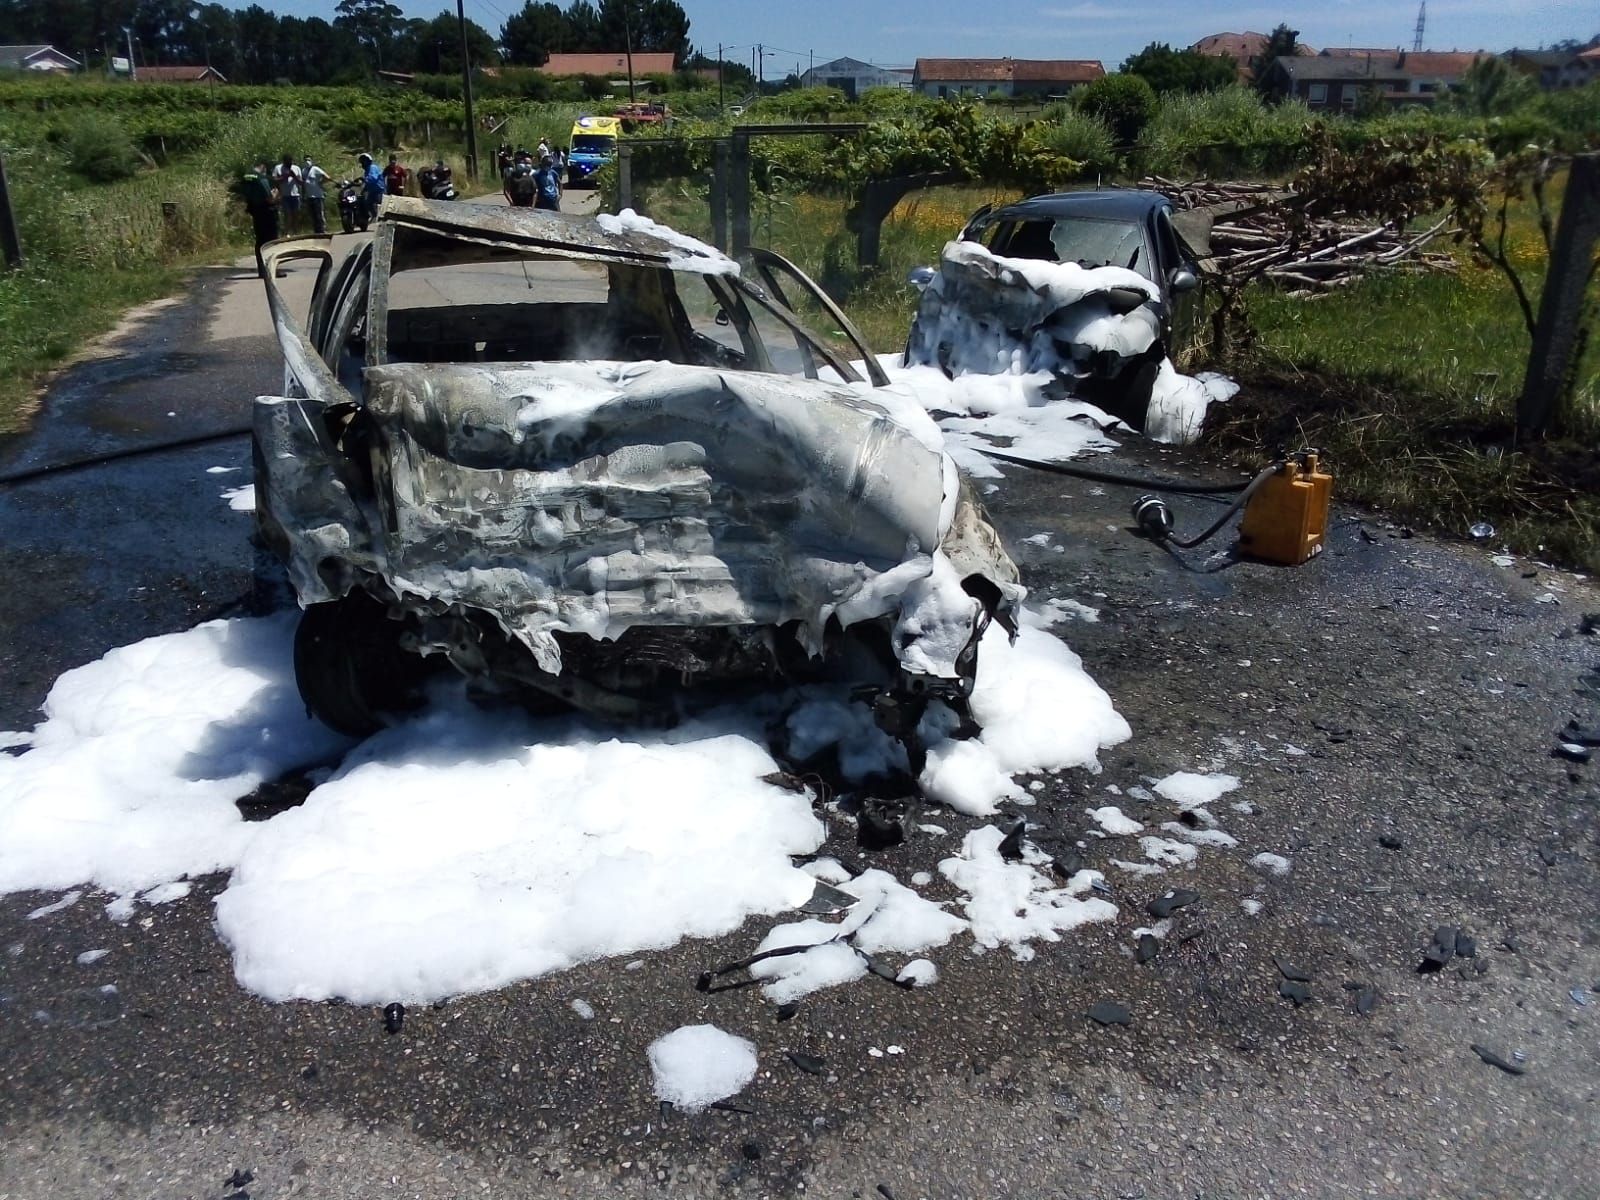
{"points": [[257, 45]]}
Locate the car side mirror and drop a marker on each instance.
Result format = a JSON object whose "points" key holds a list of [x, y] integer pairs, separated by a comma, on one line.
{"points": [[920, 277], [1184, 280]]}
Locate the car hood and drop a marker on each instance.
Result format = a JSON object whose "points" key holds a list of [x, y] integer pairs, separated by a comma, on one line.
{"points": [[986, 314], [594, 497]]}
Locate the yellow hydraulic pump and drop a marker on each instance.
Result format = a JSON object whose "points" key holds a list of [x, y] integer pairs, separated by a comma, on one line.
{"points": [[1286, 519]]}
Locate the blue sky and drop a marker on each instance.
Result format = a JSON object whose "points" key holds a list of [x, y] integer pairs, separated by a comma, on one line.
{"points": [[896, 32]]}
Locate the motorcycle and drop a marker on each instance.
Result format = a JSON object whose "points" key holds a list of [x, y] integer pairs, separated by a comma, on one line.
{"points": [[350, 208], [436, 183]]}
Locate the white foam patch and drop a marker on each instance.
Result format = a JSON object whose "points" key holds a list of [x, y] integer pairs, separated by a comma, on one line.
{"points": [[61, 905], [131, 777], [506, 849], [1054, 611], [90, 957], [1178, 403], [1114, 821], [241, 499], [693, 255], [696, 1065], [1200, 837], [919, 972], [1039, 711], [890, 919], [1272, 864], [1188, 789], [1011, 904]]}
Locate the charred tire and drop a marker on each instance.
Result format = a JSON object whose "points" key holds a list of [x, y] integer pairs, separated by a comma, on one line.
{"points": [[1127, 396], [350, 668]]}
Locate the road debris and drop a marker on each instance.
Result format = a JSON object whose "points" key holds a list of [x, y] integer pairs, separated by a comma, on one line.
{"points": [[811, 1064], [394, 1017], [1169, 902], [1289, 971], [1109, 1012], [1494, 1060], [1294, 990]]}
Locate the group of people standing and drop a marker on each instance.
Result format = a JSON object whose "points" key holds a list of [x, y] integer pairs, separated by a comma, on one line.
{"points": [[282, 198], [533, 180], [277, 196]]}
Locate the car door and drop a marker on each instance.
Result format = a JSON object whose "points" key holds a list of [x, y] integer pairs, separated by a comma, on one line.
{"points": [[1180, 284], [777, 271]]}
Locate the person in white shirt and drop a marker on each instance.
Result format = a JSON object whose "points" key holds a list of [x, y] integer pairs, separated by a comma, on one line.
{"points": [[286, 178], [316, 193]]}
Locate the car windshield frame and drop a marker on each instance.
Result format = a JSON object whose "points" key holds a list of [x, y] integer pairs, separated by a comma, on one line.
{"points": [[988, 231]]}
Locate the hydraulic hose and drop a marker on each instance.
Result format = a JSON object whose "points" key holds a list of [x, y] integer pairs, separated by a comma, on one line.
{"points": [[1163, 532], [95, 460], [1176, 486]]}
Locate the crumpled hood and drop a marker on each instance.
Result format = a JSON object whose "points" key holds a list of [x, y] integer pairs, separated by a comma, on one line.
{"points": [[983, 314], [592, 497]]}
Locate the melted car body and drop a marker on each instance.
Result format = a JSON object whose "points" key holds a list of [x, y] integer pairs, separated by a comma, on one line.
{"points": [[1095, 286], [561, 455]]}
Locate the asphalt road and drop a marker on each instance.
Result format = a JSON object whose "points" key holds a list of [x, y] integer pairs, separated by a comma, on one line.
{"points": [[1390, 708]]}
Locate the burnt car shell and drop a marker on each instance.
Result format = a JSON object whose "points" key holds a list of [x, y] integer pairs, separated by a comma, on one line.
{"points": [[1153, 247], [578, 478]]}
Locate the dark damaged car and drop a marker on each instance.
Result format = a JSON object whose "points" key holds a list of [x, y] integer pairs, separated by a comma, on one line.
{"points": [[587, 464], [1123, 302]]}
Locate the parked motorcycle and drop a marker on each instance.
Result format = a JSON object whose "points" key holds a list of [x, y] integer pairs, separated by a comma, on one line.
{"points": [[350, 205], [436, 183]]}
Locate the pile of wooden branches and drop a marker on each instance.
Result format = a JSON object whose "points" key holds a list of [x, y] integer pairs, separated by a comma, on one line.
{"points": [[1263, 231]]}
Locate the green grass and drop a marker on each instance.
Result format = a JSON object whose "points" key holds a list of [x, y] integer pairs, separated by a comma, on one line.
{"points": [[1410, 382], [46, 318]]}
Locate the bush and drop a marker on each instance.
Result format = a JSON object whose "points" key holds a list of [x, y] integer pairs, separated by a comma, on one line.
{"points": [[1226, 132], [270, 133], [99, 149], [1079, 136], [1126, 103]]}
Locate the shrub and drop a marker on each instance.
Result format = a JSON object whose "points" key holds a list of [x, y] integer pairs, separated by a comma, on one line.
{"points": [[270, 133], [1225, 132], [99, 149], [1079, 136], [1126, 103]]}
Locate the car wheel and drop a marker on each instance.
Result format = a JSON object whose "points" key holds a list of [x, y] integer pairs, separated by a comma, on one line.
{"points": [[350, 668], [1141, 386]]}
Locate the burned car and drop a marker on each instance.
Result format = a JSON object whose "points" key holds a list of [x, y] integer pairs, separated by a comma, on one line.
{"points": [[1097, 287], [560, 455]]}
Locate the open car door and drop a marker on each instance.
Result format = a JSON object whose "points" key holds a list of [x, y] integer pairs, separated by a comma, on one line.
{"points": [[775, 270]]}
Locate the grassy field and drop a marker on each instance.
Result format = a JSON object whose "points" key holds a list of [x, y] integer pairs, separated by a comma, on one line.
{"points": [[1410, 382]]}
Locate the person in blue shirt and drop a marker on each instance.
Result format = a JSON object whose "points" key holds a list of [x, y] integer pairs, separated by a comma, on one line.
{"points": [[548, 182], [372, 189]]}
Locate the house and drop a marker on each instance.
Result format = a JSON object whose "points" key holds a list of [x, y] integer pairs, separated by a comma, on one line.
{"points": [[852, 76], [611, 66], [179, 75], [36, 58], [1557, 69], [947, 77], [1247, 50], [1335, 79]]}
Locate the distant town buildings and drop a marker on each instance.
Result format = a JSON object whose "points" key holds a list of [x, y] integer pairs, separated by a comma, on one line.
{"points": [[852, 76], [36, 58], [946, 77]]}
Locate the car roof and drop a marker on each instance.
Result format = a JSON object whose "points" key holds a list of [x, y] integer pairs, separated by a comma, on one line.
{"points": [[566, 235], [1119, 204]]}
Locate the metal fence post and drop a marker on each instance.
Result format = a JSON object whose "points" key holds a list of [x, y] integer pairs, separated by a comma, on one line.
{"points": [[624, 177], [9, 242], [739, 193], [719, 195], [1555, 335]]}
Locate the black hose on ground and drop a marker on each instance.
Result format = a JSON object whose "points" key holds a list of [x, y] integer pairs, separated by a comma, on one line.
{"points": [[1176, 486], [95, 460]]}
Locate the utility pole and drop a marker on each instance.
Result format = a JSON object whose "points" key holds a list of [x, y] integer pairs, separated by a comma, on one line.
{"points": [[761, 66], [466, 92], [721, 103], [627, 38], [133, 71], [9, 242]]}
